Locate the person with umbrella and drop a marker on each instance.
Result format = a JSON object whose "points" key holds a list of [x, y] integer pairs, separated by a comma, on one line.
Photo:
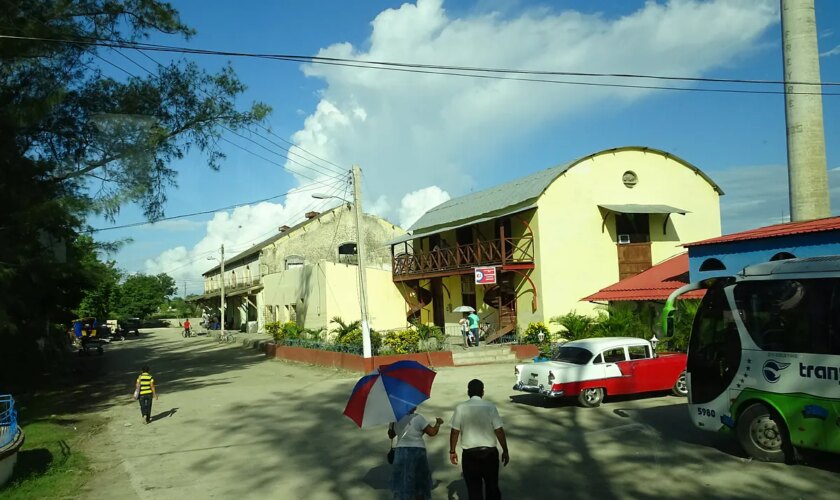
{"points": [[411, 477], [465, 322], [390, 394]]}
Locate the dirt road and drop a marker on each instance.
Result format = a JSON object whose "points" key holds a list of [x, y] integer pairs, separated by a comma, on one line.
{"points": [[232, 424]]}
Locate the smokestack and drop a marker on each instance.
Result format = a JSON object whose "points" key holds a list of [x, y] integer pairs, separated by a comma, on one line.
{"points": [[807, 175]]}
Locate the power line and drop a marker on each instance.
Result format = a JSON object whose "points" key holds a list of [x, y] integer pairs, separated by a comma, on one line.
{"points": [[337, 168], [309, 187], [459, 70], [328, 171]]}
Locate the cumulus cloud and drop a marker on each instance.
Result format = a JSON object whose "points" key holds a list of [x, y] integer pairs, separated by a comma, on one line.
{"points": [[416, 203], [238, 230], [409, 129], [750, 203]]}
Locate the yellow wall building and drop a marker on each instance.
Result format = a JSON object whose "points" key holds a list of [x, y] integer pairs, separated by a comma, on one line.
{"points": [[308, 274], [554, 237]]}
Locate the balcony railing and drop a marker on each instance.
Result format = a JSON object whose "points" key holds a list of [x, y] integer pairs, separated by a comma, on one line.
{"points": [[231, 285], [500, 252]]}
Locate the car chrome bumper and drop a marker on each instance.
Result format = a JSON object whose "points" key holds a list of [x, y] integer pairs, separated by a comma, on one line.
{"points": [[540, 389]]}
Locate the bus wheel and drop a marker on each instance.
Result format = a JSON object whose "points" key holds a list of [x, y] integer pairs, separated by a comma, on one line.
{"points": [[762, 434], [680, 388], [591, 398]]}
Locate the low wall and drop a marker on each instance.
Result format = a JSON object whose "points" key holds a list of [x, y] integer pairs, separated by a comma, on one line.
{"points": [[354, 362], [525, 351]]}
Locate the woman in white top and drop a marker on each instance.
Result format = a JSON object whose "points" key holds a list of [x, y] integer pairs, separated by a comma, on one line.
{"points": [[412, 478]]}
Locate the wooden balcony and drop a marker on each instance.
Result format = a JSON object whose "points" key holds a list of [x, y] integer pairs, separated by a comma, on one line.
{"points": [[507, 253]]}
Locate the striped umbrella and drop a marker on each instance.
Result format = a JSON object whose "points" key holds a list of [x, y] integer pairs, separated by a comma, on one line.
{"points": [[389, 393]]}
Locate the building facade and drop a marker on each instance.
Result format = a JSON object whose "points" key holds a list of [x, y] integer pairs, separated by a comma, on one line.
{"points": [[308, 274], [553, 237]]}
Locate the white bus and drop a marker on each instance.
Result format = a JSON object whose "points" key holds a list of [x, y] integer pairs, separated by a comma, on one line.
{"points": [[764, 356]]}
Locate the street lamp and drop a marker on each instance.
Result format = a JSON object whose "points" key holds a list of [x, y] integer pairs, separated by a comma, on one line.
{"points": [[360, 256], [222, 294]]}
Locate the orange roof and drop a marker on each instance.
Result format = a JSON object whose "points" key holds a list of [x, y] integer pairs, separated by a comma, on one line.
{"points": [[656, 283], [786, 229]]}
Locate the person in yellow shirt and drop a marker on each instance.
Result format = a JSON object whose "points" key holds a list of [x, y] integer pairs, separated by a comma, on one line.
{"points": [[144, 390]]}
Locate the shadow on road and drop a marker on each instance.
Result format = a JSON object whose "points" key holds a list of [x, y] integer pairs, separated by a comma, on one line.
{"points": [[164, 414]]}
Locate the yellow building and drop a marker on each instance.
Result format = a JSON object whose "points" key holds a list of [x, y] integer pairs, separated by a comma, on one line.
{"points": [[553, 237], [308, 274]]}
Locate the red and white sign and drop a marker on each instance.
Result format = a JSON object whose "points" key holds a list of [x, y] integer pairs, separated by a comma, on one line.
{"points": [[485, 275]]}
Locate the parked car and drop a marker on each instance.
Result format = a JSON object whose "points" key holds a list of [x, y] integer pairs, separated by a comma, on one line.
{"points": [[590, 369]]}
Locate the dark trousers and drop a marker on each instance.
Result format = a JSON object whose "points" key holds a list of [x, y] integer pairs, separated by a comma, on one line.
{"points": [[146, 406], [481, 472]]}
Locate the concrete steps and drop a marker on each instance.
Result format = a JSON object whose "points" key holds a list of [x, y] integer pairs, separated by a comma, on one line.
{"points": [[483, 355]]}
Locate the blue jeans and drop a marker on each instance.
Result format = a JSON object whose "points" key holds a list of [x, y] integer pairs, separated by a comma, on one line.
{"points": [[474, 332]]}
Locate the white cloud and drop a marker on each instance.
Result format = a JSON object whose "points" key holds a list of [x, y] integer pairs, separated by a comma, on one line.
{"points": [[238, 230], [416, 203], [833, 52], [408, 130]]}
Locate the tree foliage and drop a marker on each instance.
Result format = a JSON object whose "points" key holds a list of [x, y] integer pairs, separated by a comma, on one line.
{"points": [[141, 294]]}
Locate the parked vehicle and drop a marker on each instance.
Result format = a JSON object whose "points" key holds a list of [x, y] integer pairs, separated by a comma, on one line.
{"points": [[87, 334], [131, 325], [591, 369]]}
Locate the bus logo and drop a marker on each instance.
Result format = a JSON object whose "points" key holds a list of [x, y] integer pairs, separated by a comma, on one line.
{"points": [[771, 370]]}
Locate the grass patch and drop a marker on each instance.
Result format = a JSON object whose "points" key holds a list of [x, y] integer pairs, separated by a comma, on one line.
{"points": [[49, 464]]}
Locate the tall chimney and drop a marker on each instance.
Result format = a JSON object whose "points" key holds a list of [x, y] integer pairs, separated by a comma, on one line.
{"points": [[807, 174]]}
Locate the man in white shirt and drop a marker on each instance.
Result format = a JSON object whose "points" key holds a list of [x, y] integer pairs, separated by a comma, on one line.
{"points": [[478, 424]]}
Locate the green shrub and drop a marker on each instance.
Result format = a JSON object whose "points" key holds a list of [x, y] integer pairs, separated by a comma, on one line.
{"points": [[281, 332], [402, 341], [351, 334], [622, 320], [578, 326], [532, 333], [428, 332]]}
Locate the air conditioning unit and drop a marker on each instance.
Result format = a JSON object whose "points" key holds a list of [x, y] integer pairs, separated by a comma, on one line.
{"points": [[623, 239]]}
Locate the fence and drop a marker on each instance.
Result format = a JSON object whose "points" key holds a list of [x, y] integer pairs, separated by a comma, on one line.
{"points": [[8, 420]]}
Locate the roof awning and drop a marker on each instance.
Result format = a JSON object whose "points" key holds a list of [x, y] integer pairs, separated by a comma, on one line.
{"points": [[420, 234], [644, 209]]}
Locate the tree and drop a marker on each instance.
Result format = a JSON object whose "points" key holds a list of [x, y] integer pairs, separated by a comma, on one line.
{"points": [[110, 141], [141, 294], [103, 279]]}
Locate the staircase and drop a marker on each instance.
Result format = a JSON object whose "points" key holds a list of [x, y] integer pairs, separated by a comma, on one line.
{"points": [[417, 298], [482, 355]]}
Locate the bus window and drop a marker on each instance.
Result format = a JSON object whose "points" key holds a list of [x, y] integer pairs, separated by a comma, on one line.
{"points": [[714, 350], [792, 315]]}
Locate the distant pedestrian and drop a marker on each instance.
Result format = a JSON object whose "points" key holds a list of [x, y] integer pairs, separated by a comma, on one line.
{"points": [[187, 331], [473, 318], [478, 424], [144, 390], [464, 323], [411, 478]]}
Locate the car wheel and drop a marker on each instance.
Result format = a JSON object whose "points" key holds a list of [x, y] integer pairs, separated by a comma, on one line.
{"points": [[591, 398], [680, 387], [762, 434]]}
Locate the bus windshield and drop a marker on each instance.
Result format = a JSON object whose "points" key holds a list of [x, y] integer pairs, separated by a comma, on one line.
{"points": [[714, 347]]}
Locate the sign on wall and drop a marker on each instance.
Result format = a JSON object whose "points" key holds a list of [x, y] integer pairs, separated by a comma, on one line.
{"points": [[485, 275]]}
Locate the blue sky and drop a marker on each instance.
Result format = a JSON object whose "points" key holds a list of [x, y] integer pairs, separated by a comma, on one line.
{"points": [[421, 139]]}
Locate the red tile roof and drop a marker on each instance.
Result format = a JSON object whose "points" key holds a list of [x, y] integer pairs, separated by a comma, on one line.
{"points": [[786, 229], [656, 283]]}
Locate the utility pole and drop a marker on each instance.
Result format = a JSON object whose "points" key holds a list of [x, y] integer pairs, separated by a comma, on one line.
{"points": [[807, 175], [222, 306], [185, 289], [360, 255]]}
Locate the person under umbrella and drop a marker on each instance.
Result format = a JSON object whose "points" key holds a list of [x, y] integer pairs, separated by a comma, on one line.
{"points": [[411, 477]]}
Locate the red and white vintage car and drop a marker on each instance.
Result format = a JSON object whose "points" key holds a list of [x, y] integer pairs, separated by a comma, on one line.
{"points": [[590, 369]]}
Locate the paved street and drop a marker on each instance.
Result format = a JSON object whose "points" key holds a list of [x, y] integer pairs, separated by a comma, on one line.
{"points": [[232, 424]]}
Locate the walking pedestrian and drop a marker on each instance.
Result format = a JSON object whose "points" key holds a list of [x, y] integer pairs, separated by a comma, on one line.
{"points": [[473, 319], [144, 390], [464, 323], [411, 478], [478, 424]]}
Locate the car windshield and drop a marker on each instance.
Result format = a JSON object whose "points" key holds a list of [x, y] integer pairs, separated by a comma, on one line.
{"points": [[574, 355]]}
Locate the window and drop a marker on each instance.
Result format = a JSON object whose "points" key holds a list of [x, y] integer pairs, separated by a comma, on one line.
{"points": [[347, 253], [294, 262], [468, 290], [782, 256], [636, 226], [792, 315], [639, 351], [614, 355], [574, 355], [712, 265]]}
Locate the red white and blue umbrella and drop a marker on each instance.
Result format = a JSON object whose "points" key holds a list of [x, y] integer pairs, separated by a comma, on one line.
{"points": [[389, 393]]}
